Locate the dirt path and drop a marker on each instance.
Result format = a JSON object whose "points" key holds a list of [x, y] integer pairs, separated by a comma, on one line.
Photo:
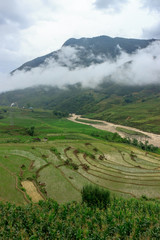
{"points": [[32, 191], [111, 127]]}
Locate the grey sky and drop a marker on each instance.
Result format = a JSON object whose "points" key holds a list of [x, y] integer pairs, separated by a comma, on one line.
{"points": [[115, 5], [152, 4], [29, 29]]}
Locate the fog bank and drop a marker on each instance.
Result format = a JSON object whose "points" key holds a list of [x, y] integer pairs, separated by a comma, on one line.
{"points": [[142, 67]]}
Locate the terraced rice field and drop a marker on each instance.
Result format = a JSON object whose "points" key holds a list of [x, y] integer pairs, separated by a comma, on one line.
{"points": [[70, 157], [59, 170]]}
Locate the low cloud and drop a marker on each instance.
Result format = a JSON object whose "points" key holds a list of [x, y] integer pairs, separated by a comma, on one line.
{"points": [[142, 67], [151, 4], [114, 5], [153, 32]]}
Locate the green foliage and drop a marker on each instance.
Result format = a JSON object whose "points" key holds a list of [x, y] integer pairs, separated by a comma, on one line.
{"points": [[59, 114], [55, 151], [89, 154], [74, 166], [130, 132], [30, 130], [135, 106], [115, 137], [71, 164], [95, 196], [89, 121], [122, 219]]}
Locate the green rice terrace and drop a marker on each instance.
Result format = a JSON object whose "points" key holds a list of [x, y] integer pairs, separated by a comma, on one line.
{"points": [[43, 158], [55, 158]]}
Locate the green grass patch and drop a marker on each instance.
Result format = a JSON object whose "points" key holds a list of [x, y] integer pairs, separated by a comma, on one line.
{"points": [[89, 121], [58, 186], [130, 132]]}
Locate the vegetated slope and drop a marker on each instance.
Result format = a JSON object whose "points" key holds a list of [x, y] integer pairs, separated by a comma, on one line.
{"points": [[61, 157], [136, 106], [88, 49]]}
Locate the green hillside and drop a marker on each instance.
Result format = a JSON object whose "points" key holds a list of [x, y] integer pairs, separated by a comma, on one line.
{"points": [[136, 106], [46, 161], [56, 158]]}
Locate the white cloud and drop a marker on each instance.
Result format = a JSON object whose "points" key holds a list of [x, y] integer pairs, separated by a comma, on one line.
{"points": [[142, 67], [152, 32], [114, 5], [151, 4], [29, 29]]}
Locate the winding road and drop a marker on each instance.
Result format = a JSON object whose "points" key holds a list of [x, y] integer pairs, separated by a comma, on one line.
{"points": [[111, 127]]}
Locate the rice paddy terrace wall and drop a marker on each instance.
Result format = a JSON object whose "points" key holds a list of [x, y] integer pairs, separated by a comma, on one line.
{"points": [[60, 169]]}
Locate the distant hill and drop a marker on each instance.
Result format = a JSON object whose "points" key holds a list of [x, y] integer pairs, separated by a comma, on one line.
{"points": [[136, 105], [88, 49]]}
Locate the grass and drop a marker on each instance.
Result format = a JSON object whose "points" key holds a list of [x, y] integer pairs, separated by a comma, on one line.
{"points": [[141, 115], [89, 121], [57, 185], [130, 132], [8, 190]]}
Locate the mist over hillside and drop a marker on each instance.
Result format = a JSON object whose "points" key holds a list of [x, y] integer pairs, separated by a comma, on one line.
{"points": [[84, 52], [91, 76], [89, 61]]}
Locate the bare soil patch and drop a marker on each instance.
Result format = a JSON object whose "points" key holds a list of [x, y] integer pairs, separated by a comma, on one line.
{"points": [[32, 191]]}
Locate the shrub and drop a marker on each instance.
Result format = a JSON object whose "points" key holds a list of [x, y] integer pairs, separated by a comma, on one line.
{"points": [[30, 131], [55, 151], [95, 196], [67, 161], [74, 166], [59, 114]]}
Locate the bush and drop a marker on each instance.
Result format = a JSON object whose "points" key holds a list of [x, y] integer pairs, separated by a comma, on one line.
{"points": [[74, 166], [55, 151], [30, 131], [95, 196], [59, 114]]}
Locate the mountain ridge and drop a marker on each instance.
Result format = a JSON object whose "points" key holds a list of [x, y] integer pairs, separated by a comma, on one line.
{"points": [[101, 45], [135, 105]]}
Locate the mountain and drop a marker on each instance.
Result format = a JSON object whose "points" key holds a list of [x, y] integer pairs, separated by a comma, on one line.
{"points": [[133, 105], [89, 51]]}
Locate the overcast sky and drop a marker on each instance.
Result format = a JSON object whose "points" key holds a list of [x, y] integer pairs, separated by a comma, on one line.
{"points": [[31, 28]]}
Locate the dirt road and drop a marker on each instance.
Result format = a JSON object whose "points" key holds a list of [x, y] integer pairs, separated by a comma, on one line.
{"points": [[111, 127]]}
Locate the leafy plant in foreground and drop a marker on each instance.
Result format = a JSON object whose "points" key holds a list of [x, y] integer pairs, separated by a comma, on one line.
{"points": [[95, 196]]}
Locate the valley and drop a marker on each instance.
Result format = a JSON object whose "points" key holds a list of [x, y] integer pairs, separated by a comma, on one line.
{"points": [[80, 143], [123, 131], [63, 156], [80, 120]]}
